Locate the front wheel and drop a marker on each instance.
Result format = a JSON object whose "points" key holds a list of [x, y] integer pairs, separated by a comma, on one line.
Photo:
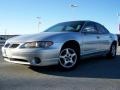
{"points": [[68, 58]]}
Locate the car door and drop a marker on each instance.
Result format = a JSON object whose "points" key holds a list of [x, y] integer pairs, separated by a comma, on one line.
{"points": [[90, 39], [105, 38]]}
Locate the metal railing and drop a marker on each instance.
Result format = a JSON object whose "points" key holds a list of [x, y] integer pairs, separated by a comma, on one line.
{"points": [[2, 42]]}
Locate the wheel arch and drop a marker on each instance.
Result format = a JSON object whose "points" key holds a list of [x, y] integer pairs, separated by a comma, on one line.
{"points": [[72, 43], [114, 42]]}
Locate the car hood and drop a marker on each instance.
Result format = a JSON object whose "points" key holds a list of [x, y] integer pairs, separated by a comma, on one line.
{"points": [[44, 36]]}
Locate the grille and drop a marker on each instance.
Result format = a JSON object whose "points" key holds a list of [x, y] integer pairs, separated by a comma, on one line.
{"points": [[14, 45], [22, 60], [7, 45], [13, 59]]}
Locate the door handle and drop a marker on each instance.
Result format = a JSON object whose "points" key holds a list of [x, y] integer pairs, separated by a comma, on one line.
{"points": [[98, 37]]}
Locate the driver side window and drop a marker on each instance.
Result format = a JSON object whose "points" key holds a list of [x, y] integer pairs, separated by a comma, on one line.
{"points": [[69, 28]]}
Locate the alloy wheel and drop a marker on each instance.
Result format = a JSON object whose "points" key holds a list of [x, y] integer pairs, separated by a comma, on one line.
{"points": [[68, 58]]}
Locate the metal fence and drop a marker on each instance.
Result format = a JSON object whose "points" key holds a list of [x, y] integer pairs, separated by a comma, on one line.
{"points": [[2, 42], [3, 38]]}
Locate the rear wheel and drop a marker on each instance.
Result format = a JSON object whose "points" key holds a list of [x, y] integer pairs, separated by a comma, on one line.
{"points": [[68, 58], [112, 52]]}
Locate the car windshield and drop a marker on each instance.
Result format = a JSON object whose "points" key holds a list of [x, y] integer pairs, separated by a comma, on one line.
{"points": [[66, 27]]}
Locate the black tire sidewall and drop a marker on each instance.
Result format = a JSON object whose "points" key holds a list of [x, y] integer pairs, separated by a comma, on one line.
{"points": [[110, 55]]}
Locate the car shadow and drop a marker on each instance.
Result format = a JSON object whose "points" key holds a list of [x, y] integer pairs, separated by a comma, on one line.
{"points": [[97, 67]]}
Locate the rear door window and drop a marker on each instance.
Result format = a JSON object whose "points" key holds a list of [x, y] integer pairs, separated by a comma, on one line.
{"points": [[102, 29]]}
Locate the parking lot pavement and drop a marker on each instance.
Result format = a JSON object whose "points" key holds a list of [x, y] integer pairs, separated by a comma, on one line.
{"points": [[92, 74]]}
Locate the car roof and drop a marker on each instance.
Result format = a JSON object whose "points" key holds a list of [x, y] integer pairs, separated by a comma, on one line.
{"points": [[85, 21]]}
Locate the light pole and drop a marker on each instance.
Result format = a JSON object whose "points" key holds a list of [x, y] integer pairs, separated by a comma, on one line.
{"points": [[119, 21], [5, 34], [39, 22]]}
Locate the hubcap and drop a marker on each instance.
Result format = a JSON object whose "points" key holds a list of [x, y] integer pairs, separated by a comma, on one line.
{"points": [[68, 58]]}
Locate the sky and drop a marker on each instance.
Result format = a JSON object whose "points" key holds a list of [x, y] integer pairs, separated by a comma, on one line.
{"points": [[20, 16]]}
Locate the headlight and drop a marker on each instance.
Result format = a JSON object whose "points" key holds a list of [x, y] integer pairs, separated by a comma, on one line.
{"points": [[37, 44]]}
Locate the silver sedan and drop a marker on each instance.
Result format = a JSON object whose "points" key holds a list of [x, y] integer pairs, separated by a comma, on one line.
{"points": [[63, 44]]}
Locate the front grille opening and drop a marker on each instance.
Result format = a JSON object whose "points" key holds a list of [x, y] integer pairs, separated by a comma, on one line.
{"points": [[7, 45], [14, 45], [21, 60]]}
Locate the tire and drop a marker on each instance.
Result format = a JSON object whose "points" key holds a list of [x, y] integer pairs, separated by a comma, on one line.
{"points": [[68, 58], [112, 52]]}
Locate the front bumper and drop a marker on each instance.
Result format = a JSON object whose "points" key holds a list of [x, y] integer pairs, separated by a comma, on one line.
{"points": [[49, 56]]}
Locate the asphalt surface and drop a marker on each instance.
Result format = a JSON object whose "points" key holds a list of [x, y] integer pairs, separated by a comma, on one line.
{"points": [[92, 74]]}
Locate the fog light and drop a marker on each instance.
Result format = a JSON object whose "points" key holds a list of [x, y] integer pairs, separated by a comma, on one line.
{"points": [[36, 60]]}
